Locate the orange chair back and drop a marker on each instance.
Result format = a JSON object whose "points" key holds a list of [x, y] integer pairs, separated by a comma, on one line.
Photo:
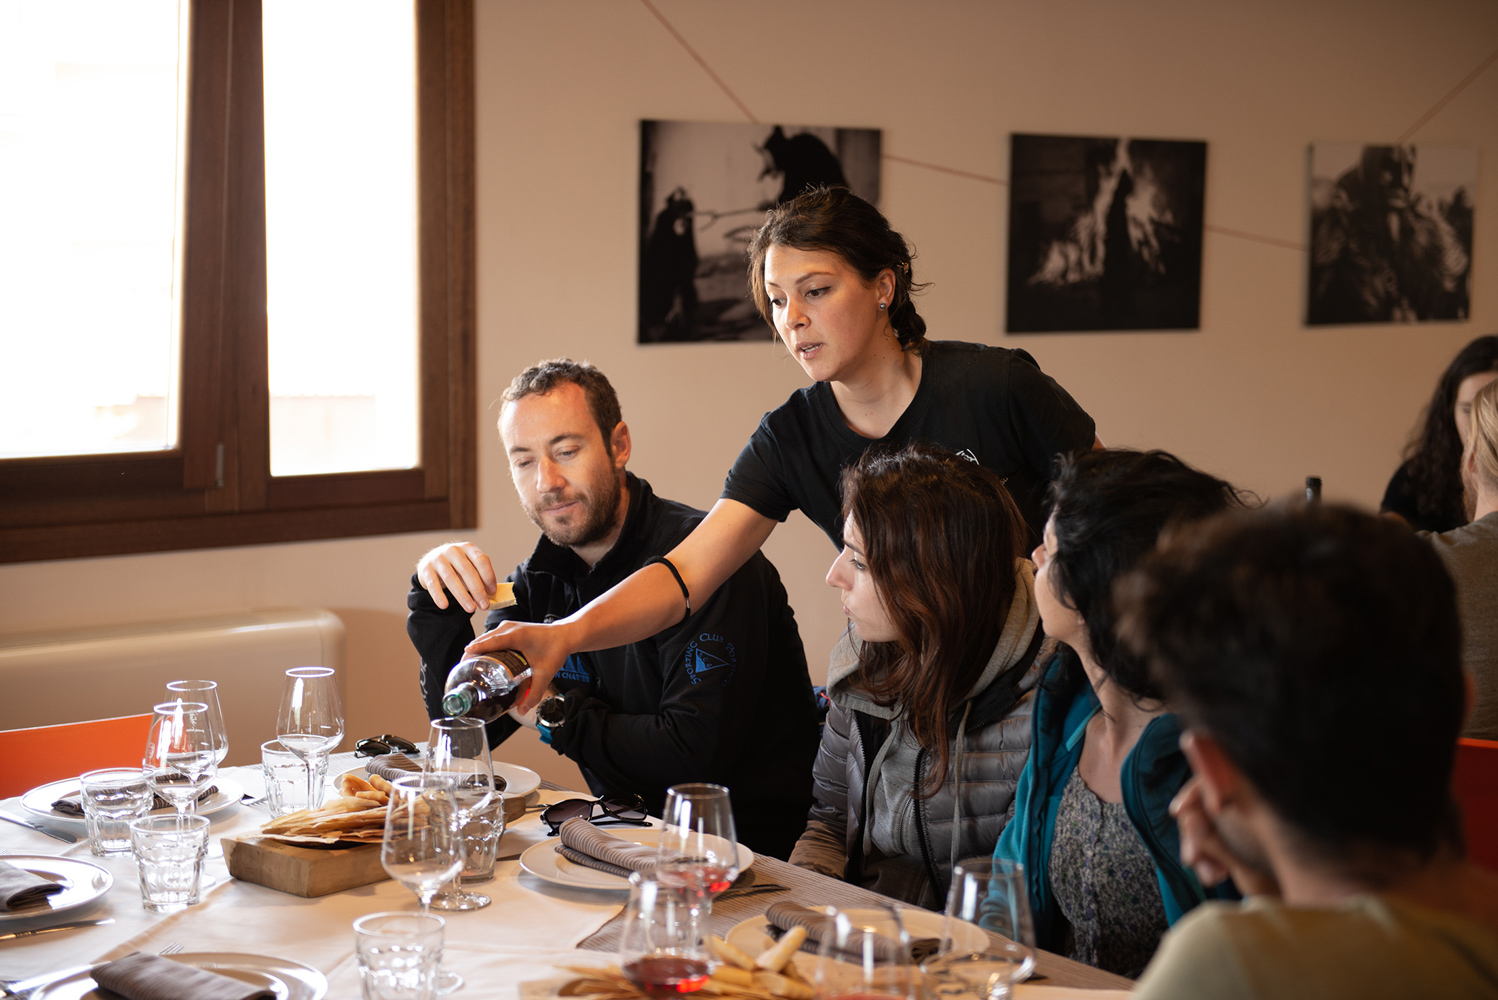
{"points": [[36, 756], [1475, 783]]}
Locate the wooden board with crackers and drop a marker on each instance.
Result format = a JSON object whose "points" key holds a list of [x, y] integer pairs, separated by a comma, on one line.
{"points": [[356, 816]]}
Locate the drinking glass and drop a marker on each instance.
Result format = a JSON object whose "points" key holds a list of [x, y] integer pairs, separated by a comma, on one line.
{"points": [[112, 798], [421, 848], [286, 778], [399, 955], [864, 954], [986, 896], [459, 748], [180, 760], [310, 723], [660, 945], [169, 852], [207, 693], [698, 847]]}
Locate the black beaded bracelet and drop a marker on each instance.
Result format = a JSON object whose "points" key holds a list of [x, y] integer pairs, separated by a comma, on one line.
{"points": [[686, 594]]}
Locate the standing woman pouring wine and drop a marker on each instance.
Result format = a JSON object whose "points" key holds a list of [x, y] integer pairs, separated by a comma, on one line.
{"points": [[835, 281]]}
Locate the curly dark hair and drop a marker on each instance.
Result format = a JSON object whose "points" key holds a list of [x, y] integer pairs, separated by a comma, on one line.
{"points": [[544, 376], [835, 220], [1108, 510], [1320, 647], [1434, 452]]}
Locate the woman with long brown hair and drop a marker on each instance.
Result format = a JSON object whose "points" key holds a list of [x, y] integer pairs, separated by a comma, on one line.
{"points": [[929, 726]]}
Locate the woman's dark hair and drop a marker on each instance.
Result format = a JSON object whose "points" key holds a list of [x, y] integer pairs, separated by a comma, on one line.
{"points": [[1108, 510], [1320, 648], [837, 221], [1435, 452], [941, 535]]}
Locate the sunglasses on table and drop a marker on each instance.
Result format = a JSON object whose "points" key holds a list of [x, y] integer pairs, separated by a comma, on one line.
{"points": [[378, 746], [611, 808]]}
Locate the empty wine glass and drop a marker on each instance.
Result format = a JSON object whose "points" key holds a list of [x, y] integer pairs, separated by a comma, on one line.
{"points": [[698, 849], [459, 748], [865, 954], [421, 847], [310, 723], [987, 938], [660, 946], [207, 693], [180, 760]]}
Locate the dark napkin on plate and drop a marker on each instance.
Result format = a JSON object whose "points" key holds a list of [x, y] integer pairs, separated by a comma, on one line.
{"points": [[20, 889], [72, 805], [785, 915], [392, 765], [138, 976], [585, 844]]}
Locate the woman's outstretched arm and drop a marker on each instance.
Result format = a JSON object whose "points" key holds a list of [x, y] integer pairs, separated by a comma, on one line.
{"points": [[646, 602]]}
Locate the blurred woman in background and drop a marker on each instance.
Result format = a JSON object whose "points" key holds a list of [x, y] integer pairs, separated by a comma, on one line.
{"points": [[1426, 491], [931, 684]]}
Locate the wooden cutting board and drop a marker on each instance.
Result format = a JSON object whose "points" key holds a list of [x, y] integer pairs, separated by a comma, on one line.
{"points": [[303, 869]]}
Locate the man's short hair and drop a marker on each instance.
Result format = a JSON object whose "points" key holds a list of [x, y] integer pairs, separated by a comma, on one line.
{"points": [[1320, 648], [1485, 432], [540, 379]]}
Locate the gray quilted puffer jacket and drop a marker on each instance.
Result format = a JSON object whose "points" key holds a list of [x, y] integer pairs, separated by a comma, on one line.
{"points": [[866, 827]]}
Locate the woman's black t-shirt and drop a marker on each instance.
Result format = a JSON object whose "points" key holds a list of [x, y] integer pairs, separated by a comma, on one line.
{"points": [[992, 404]]}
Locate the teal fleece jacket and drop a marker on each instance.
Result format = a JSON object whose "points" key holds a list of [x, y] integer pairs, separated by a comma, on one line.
{"points": [[1153, 773]]}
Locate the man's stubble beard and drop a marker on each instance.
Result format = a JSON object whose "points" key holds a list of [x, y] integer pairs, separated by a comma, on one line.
{"points": [[596, 524]]}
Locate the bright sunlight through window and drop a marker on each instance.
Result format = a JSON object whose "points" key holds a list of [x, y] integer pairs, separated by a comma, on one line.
{"points": [[340, 193]]}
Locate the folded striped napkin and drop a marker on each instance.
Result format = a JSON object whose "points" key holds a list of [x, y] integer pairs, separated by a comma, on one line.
{"points": [[138, 976], [585, 844], [20, 889]]}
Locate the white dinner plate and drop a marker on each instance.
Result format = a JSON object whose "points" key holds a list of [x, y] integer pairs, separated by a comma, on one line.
{"points": [[39, 800], [543, 861], [82, 882], [752, 936], [289, 980], [519, 781]]}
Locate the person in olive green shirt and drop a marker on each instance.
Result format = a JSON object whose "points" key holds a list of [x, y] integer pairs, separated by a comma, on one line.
{"points": [[1314, 653]]}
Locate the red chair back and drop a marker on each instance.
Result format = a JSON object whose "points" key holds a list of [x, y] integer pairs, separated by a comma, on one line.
{"points": [[50, 753], [1475, 783]]}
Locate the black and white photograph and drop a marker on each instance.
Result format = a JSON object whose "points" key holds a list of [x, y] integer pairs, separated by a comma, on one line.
{"points": [[1105, 233], [704, 190], [1391, 233]]}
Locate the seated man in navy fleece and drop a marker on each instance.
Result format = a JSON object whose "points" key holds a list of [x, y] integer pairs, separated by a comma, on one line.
{"points": [[723, 696]]}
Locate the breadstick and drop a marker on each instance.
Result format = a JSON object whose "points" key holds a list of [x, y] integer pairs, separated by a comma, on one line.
{"points": [[783, 987], [774, 959], [734, 977], [730, 954]]}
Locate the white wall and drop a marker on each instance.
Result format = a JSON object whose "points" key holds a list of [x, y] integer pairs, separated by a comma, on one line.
{"points": [[1254, 395]]}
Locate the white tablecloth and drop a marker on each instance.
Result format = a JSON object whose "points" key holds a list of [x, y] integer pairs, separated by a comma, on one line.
{"points": [[515, 939]]}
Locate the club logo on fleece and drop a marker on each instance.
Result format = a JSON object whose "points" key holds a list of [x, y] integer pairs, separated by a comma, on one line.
{"points": [[573, 670], [709, 652]]}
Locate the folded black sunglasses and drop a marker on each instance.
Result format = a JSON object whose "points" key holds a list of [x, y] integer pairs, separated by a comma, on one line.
{"points": [[627, 809], [377, 746]]}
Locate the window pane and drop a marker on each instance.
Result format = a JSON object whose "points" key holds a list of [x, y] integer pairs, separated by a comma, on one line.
{"points": [[340, 193], [90, 118]]}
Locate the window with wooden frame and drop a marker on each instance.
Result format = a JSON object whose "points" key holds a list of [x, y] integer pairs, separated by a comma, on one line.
{"points": [[214, 486]]}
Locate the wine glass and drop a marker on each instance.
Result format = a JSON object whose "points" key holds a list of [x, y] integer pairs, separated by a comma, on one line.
{"points": [[865, 954], [987, 938], [459, 748], [207, 693], [660, 947], [310, 723], [180, 760], [698, 849], [422, 848]]}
